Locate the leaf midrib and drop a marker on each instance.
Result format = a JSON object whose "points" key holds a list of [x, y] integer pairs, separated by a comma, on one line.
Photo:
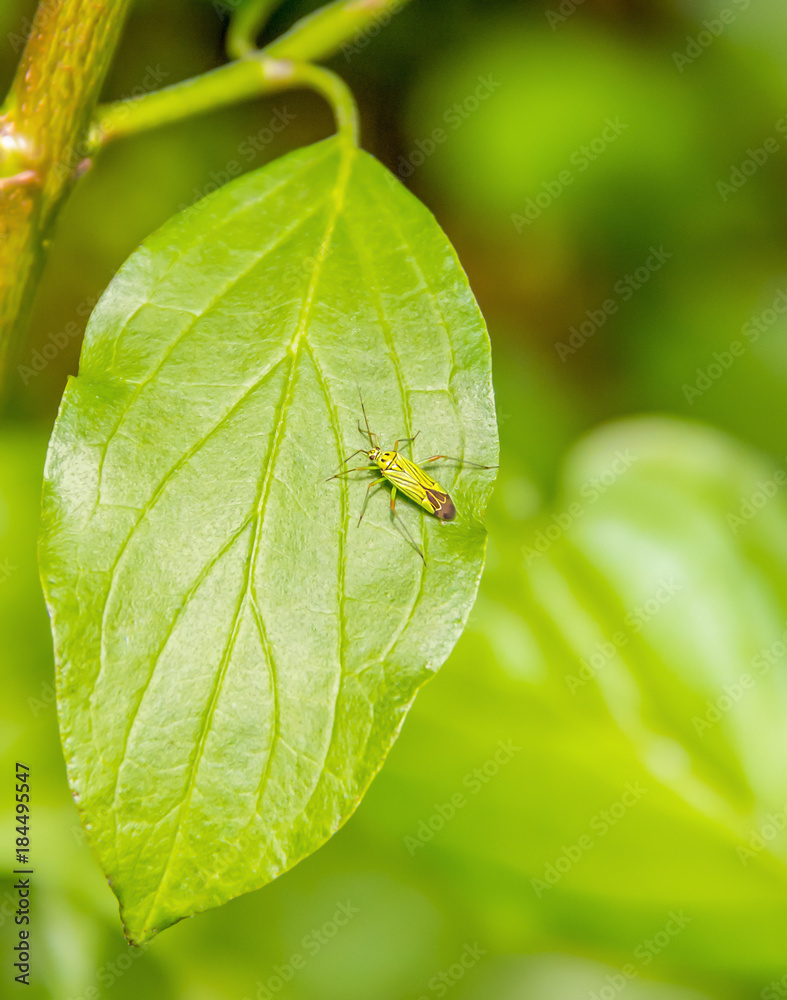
{"points": [[338, 194]]}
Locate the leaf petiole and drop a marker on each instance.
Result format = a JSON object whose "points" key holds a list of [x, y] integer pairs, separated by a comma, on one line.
{"points": [[246, 78], [245, 26]]}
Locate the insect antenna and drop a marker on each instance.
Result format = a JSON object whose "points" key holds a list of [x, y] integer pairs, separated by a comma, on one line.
{"points": [[372, 437]]}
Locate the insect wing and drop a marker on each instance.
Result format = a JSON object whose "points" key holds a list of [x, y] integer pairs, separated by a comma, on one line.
{"points": [[419, 486], [442, 504], [400, 472]]}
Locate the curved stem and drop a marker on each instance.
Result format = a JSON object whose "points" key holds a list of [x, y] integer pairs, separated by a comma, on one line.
{"points": [[346, 25], [284, 62], [46, 139], [246, 24], [229, 84], [336, 93], [237, 81]]}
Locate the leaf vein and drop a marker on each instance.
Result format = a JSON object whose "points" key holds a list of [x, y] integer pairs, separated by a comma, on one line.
{"points": [[338, 198], [181, 337], [385, 326]]}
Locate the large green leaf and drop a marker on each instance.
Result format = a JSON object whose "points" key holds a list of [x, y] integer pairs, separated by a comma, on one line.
{"points": [[235, 656], [633, 644]]}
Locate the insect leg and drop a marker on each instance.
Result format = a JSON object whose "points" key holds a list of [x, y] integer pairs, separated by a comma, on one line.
{"points": [[361, 468], [372, 484], [402, 525], [462, 461], [405, 441], [344, 461]]}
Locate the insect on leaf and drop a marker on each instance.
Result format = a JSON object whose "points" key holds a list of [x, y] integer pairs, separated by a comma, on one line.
{"points": [[235, 656]]}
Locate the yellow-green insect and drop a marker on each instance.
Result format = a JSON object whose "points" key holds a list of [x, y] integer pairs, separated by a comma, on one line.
{"points": [[405, 476]]}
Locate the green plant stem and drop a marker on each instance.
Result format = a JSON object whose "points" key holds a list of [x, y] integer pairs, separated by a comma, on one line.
{"points": [[46, 133], [279, 66], [229, 84], [43, 126], [246, 24], [350, 23]]}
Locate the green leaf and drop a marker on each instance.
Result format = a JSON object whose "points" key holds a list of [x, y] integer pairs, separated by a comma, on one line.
{"points": [[235, 655], [678, 555], [633, 606]]}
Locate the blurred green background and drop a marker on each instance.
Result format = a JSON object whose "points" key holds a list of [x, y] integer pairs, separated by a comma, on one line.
{"points": [[611, 173]]}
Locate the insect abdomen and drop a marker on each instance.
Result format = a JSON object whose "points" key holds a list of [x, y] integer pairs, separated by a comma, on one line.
{"points": [[442, 504]]}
